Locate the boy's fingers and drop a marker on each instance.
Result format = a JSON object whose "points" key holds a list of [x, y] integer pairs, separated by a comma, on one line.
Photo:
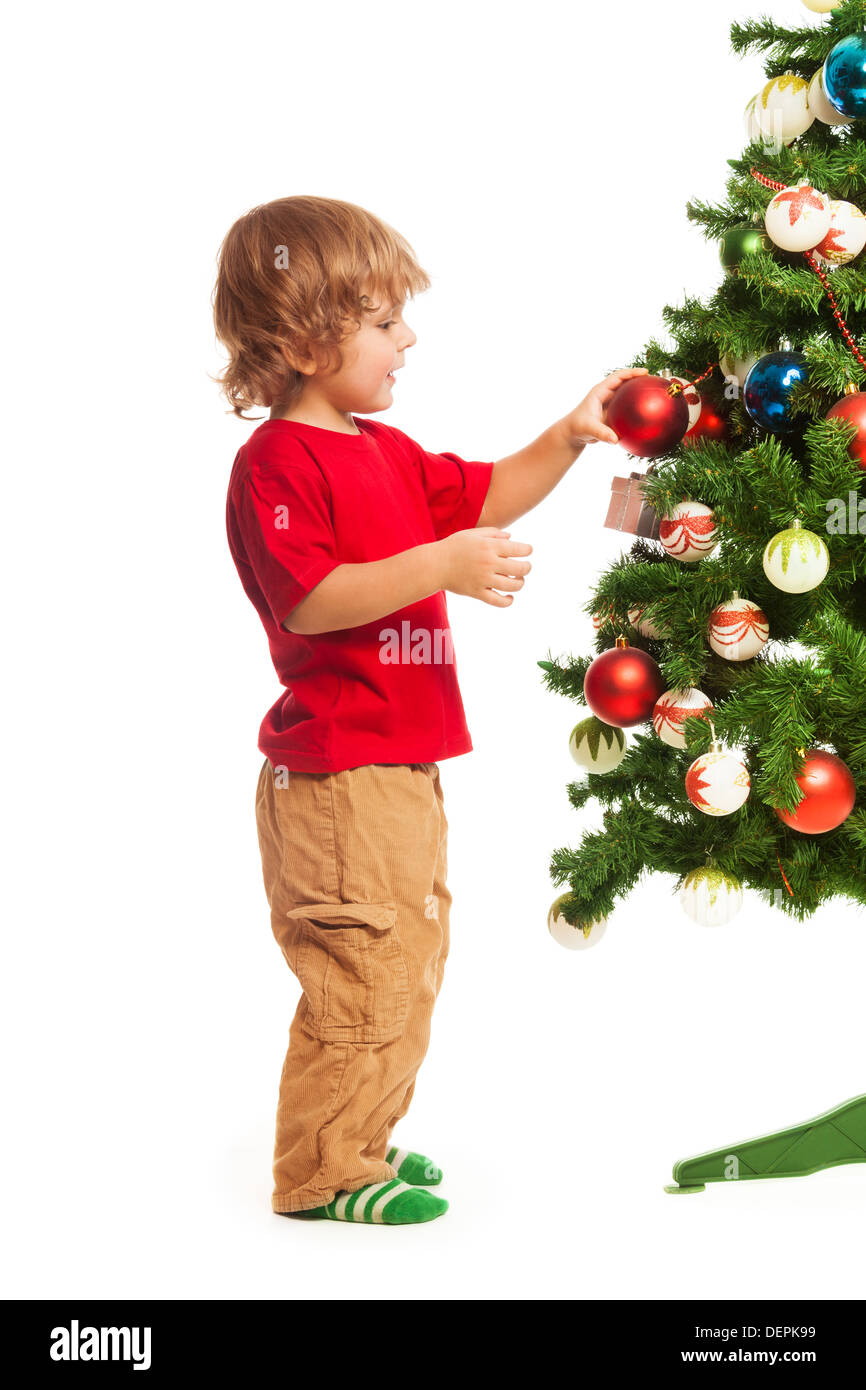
{"points": [[496, 600], [510, 583], [626, 372], [515, 548], [513, 567], [608, 388]]}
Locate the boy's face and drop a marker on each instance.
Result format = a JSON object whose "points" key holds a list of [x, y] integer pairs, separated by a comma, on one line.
{"points": [[371, 355]]}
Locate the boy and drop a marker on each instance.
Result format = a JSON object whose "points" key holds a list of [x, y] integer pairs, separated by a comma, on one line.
{"points": [[346, 535]]}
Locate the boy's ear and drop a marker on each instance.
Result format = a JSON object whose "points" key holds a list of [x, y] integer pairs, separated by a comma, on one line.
{"points": [[301, 359]]}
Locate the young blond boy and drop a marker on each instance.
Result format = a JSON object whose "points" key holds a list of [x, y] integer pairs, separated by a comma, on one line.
{"points": [[346, 535]]}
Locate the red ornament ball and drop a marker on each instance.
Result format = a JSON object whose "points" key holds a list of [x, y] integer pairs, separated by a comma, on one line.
{"points": [[622, 686], [853, 408], [829, 794], [647, 417], [709, 424]]}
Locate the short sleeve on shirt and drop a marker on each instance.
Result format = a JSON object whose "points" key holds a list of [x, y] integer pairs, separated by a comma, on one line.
{"points": [[284, 517], [455, 491]]}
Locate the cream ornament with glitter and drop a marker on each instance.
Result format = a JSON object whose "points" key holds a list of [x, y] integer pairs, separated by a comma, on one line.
{"points": [[781, 109], [738, 368], [822, 6], [798, 218], [820, 105], [738, 629], [846, 237], [673, 708], [689, 533], [750, 117], [796, 560], [711, 897], [718, 782], [580, 938], [596, 746]]}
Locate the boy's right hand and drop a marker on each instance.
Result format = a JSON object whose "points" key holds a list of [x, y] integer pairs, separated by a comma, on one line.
{"points": [[481, 561]]}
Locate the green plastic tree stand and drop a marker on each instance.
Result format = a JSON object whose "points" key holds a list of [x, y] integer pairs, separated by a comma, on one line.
{"points": [[837, 1137]]}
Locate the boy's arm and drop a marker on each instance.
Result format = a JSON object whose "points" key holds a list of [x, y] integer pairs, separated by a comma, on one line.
{"points": [[475, 562], [520, 481]]}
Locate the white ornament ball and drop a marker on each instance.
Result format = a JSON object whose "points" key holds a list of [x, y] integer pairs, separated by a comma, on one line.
{"points": [[796, 560], [603, 618], [846, 237], [782, 108], [574, 938], [821, 6], [718, 782], [738, 368], [671, 711], [798, 218], [689, 533], [596, 746], [645, 627], [692, 398], [820, 104], [738, 629], [750, 118], [711, 897]]}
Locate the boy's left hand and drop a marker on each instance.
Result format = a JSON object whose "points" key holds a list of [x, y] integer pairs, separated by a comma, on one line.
{"points": [[587, 424]]}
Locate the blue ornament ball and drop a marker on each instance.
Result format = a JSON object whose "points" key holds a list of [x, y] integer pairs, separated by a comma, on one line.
{"points": [[768, 387], [845, 77]]}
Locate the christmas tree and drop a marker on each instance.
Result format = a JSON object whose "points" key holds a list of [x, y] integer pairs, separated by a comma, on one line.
{"points": [[733, 647]]}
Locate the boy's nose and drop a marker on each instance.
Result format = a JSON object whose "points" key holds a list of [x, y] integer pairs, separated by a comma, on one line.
{"points": [[409, 338]]}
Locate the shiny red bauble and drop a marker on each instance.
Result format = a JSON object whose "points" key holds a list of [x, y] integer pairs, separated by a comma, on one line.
{"points": [[621, 686], [829, 794], [709, 424], [853, 408], [648, 419]]}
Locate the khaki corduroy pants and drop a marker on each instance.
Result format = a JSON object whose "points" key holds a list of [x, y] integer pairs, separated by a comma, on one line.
{"points": [[354, 865]]}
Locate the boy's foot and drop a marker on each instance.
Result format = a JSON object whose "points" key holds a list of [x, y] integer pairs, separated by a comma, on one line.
{"points": [[414, 1168], [391, 1203]]}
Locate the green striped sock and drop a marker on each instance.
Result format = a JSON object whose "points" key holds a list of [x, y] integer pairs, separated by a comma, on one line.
{"points": [[414, 1168], [391, 1203]]}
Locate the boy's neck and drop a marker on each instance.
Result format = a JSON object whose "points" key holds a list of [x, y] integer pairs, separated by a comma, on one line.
{"points": [[310, 410]]}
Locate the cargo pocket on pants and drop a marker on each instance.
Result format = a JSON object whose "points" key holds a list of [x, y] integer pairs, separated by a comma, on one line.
{"points": [[352, 970]]}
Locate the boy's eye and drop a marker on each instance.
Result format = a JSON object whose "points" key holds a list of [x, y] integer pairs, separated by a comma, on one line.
{"points": [[388, 324]]}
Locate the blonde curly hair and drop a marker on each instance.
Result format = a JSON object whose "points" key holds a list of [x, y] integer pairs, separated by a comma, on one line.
{"points": [[291, 283]]}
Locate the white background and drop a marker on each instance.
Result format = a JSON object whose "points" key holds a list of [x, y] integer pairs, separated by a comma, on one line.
{"points": [[539, 158]]}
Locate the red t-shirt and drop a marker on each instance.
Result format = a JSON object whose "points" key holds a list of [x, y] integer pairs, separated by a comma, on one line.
{"points": [[303, 500]]}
